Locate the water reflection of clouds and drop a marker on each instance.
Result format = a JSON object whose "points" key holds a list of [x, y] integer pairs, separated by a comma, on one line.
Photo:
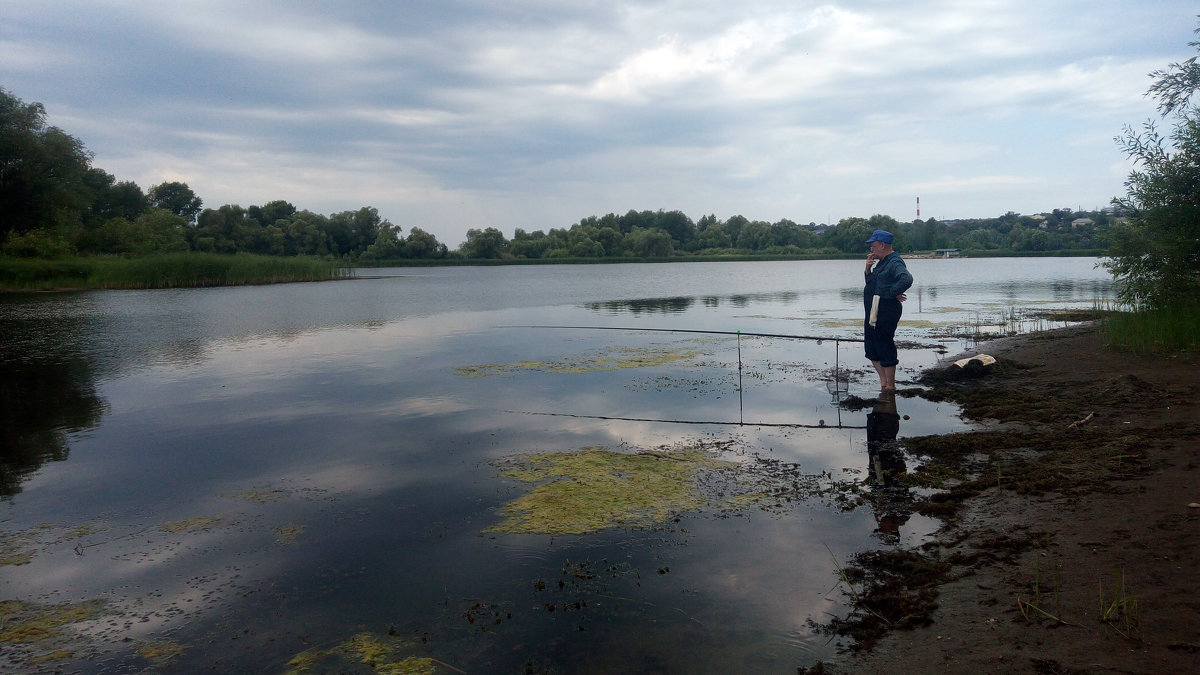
{"points": [[364, 406]]}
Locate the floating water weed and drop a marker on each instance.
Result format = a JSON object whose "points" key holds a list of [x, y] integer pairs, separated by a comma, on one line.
{"points": [[288, 534], [161, 652], [262, 496], [23, 622], [192, 524], [20, 547], [383, 655], [615, 358], [597, 489]]}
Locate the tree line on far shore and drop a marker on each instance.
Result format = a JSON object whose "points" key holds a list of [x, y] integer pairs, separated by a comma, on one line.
{"points": [[55, 203]]}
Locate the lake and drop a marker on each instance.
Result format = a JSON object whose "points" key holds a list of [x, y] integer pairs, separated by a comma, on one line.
{"points": [[324, 475]]}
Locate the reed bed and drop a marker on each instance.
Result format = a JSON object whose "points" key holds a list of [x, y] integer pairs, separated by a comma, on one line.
{"points": [[174, 270], [1169, 329]]}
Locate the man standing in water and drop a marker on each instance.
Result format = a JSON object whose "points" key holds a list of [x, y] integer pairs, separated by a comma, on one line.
{"points": [[887, 278]]}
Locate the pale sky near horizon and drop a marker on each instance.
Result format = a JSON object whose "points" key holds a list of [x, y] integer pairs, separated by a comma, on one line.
{"points": [[452, 114]]}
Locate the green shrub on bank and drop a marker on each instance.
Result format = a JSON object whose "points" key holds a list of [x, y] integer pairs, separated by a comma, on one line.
{"points": [[173, 270], [1170, 329]]}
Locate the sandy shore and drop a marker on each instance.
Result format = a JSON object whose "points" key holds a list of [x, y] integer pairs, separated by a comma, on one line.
{"points": [[1073, 536]]}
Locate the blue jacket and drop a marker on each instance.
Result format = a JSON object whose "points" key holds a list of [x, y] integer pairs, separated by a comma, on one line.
{"points": [[889, 278]]}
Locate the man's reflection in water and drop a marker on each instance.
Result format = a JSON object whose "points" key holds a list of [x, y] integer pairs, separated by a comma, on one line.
{"points": [[886, 464]]}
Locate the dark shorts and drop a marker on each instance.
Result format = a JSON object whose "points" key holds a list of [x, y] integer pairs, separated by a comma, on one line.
{"points": [[880, 341]]}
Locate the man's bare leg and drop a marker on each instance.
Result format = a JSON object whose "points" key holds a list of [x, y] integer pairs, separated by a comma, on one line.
{"points": [[887, 375], [881, 372]]}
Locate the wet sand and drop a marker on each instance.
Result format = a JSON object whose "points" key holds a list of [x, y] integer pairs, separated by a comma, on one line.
{"points": [[1073, 534]]}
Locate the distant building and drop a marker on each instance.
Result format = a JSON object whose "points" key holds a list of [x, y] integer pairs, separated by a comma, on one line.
{"points": [[947, 253], [1080, 222]]}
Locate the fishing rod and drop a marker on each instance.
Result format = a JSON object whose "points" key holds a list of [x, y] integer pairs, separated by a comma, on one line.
{"points": [[837, 342], [707, 332]]}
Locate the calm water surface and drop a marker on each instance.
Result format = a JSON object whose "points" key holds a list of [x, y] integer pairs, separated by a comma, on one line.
{"points": [[249, 473]]}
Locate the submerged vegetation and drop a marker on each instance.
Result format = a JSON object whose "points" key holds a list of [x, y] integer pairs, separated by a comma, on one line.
{"points": [[385, 655], [27, 622], [613, 358], [595, 489]]}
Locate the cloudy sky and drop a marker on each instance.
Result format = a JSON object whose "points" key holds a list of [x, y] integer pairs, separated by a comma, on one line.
{"points": [[452, 114]]}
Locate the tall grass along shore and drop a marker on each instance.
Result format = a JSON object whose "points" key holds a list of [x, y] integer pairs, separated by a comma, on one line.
{"points": [[173, 270], [1159, 331]]}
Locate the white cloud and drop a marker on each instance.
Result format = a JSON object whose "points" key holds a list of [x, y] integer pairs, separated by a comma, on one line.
{"points": [[535, 114]]}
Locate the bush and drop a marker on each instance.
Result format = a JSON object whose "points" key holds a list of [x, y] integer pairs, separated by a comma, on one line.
{"points": [[36, 244]]}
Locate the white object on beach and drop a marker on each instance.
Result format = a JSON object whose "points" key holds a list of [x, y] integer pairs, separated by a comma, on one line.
{"points": [[983, 359], [874, 311]]}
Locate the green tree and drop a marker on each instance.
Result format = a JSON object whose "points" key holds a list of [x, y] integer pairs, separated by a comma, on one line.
{"points": [[421, 244], [111, 199], [733, 226], [679, 226], [652, 243], [528, 245], [272, 212], [980, 239], [42, 170], [849, 235], [351, 232], [485, 244], [1155, 254], [304, 234], [715, 236], [177, 198], [583, 243], [610, 237], [389, 245], [222, 230], [156, 231], [755, 236]]}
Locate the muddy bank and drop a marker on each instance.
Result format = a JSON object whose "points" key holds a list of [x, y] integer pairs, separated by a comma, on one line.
{"points": [[1072, 537]]}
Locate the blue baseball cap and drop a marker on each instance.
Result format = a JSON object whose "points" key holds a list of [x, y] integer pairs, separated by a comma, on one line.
{"points": [[881, 235]]}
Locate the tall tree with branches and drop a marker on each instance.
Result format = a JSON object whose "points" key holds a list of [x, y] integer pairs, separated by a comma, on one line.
{"points": [[1155, 254]]}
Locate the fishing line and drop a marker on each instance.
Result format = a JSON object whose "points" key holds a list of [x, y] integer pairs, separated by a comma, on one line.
{"points": [[720, 423], [707, 332], [740, 414], [837, 341]]}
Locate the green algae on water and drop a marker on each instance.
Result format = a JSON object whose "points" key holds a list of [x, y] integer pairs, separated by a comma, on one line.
{"points": [[597, 489], [192, 524], [15, 557], [20, 547], [25, 622], [288, 534], [161, 652], [262, 496], [614, 358], [383, 655]]}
